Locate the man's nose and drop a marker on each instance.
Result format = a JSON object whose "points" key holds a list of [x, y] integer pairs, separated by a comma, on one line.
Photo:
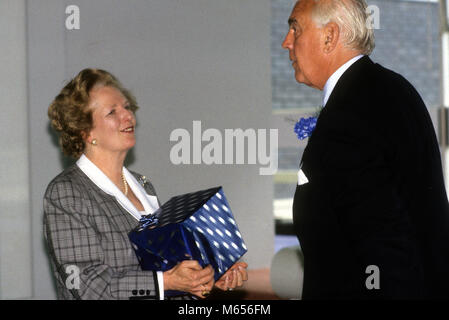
{"points": [[288, 43]]}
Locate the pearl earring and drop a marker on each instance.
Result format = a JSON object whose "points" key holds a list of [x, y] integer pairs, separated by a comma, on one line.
{"points": [[94, 142]]}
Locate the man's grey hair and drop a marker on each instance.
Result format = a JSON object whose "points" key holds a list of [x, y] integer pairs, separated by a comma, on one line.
{"points": [[351, 16]]}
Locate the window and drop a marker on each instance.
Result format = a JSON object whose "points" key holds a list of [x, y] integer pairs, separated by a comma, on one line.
{"points": [[407, 41]]}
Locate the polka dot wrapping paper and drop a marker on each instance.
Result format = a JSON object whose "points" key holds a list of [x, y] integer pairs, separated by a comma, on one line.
{"points": [[195, 226]]}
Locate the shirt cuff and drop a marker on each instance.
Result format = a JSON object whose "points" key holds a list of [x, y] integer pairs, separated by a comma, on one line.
{"points": [[160, 282]]}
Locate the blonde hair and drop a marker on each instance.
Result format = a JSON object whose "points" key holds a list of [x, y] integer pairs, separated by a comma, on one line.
{"points": [[70, 114], [351, 17]]}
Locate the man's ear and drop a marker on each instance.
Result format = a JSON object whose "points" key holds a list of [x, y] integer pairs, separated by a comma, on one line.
{"points": [[331, 36]]}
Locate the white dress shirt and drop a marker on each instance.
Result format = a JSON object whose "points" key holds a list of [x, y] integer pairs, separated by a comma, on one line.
{"points": [[148, 202], [332, 81]]}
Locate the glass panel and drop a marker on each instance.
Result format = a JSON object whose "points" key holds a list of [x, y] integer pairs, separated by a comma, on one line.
{"points": [[407, 41]]}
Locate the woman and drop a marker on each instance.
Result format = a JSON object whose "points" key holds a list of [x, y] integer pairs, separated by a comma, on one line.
{"points": [[91, 206]]}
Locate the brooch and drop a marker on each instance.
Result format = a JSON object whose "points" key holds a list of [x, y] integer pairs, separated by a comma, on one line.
{"points": [[143, 181]]}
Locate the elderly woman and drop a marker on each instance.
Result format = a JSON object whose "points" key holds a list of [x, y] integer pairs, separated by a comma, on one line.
{"points": [[91, 206]]}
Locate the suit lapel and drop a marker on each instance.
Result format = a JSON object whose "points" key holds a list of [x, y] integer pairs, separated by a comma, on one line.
{"points": [[341, 91], [345, 83]]}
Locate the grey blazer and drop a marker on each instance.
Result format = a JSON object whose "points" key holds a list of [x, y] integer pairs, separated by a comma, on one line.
{"points": [[86, 231]]}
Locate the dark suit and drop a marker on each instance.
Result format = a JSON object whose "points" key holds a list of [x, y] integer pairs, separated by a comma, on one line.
{"points": [[375, 195]]}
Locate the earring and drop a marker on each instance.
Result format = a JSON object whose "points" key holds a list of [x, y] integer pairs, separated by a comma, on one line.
{"points": [[94, 142]]}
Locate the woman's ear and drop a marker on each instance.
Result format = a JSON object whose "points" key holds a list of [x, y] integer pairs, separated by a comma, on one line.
{"points": [[86, 137]]}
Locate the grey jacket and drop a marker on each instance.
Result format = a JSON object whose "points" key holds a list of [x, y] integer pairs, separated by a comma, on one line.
{"points": [[86, 231]]}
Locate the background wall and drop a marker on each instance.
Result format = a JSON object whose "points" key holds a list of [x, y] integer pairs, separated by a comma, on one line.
{"points": [[206, 60], [15, 236]]}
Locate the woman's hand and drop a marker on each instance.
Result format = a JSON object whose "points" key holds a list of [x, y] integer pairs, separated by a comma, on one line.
{"points": [[234, 277], [189, 276]]}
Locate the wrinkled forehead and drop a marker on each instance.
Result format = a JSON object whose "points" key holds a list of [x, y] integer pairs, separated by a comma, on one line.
{"points": [[301, 12]]}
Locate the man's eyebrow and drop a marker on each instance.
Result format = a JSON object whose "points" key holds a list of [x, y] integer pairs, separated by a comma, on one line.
{"points": [[292, 21]]}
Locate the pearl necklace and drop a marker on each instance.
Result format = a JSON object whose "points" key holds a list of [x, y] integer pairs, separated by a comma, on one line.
{"points": [[125, 183]]}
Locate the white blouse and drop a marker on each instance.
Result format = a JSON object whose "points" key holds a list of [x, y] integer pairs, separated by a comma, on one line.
{"points": [[148, 202], [97, 176]]}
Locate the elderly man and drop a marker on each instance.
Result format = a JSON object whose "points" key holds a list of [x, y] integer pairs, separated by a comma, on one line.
{"points": [[370, 209]]}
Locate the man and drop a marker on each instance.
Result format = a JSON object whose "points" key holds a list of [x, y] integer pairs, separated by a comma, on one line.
{"points": [[370, 210]]}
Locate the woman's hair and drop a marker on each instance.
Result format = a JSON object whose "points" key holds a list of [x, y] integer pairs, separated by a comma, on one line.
{"points": [[70, 114], [351, 17]]}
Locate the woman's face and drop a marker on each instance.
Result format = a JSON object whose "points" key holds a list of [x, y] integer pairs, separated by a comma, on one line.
{"points": [[113, 121]]}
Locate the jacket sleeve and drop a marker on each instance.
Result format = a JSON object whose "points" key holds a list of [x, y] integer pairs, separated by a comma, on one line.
{"points": [[79, 259]]}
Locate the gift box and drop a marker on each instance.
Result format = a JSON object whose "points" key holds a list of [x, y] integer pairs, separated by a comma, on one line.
{"points": [[194, 226]]}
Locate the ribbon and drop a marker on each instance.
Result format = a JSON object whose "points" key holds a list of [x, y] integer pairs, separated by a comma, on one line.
{"points": [[148, 221]]}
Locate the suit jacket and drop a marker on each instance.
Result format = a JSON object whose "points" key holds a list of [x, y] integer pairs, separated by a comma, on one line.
{"points": [[87, 229], [375, 196]]}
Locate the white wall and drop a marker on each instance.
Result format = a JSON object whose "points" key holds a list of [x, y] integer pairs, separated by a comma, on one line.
{"points": [[188, 60], [15, 237]]}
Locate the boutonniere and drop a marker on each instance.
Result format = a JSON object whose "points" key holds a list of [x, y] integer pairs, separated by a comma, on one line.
{"points": [[305, 126]]}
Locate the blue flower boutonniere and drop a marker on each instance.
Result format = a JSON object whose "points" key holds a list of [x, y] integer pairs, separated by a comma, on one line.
{"points": [[304, 127]]}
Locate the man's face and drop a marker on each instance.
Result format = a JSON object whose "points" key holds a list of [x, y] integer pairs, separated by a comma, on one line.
{"points": [[303, 43]]}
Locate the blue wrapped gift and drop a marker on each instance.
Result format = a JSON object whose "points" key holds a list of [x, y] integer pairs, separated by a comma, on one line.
{"points": [[194, 226]]}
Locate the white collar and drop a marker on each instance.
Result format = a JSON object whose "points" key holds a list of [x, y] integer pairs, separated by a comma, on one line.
{"points": [[332, 81], [97, 176]]}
